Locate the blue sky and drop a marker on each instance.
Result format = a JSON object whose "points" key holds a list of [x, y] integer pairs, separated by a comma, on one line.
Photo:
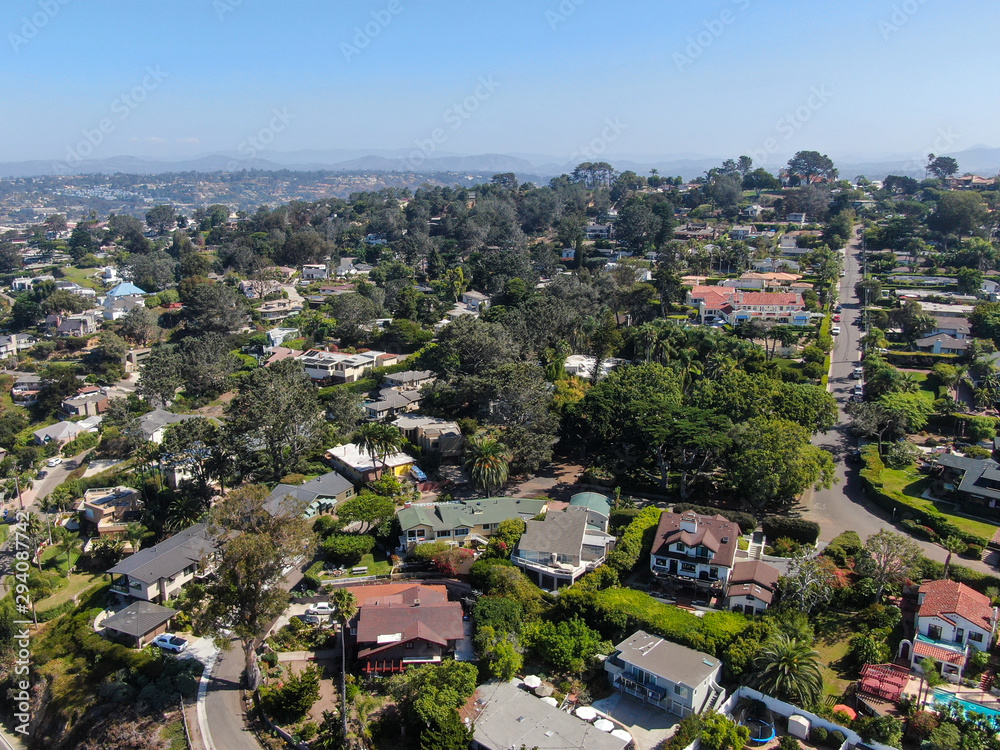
{"points": [[181, 78]]}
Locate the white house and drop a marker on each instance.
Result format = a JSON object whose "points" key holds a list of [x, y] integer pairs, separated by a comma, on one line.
{"points": [[559, 549], [952, 619], [315, 272], [675, 678], [751, 587], [158, 573], [698, 548]]}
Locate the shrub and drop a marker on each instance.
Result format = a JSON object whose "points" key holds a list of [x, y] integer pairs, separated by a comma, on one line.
{"points": [[270, 658], [784, 547], [819, 735], [293, 699], [975, 451], [687, 732], [837, 738], [450, 560], [813, 370], [881, 616], [843, 547], [347, 549], [973, 552], [787, 742], [637, 539], [479, 571], [922, 723], [325, 525], [797, 529]]}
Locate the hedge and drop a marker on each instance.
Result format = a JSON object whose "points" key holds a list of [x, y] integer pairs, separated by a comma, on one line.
{"points": [[920, 360], [347, 549], [746, 521], [636, 543], [934, 570], [796, 529], [871, 480]]}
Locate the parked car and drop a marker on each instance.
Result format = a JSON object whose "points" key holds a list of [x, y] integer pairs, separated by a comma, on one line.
{"points": [[853, 454], [53, 461], [309, 619], [320, 608], [170, 642], [835, 330], [858, 373], [836, 318]]}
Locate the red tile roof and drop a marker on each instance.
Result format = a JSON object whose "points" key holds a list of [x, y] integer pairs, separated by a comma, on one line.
{"points": [[920, 648], [770, 298], [945, 598]]}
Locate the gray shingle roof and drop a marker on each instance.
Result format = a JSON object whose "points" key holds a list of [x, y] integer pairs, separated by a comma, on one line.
{"points": [[667, 659], [139, 618], [560, 533], [442, 516], [326, 487], [154, 420], [168, 558]]}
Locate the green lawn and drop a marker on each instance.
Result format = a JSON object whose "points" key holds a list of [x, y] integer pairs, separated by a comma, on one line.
{"points": [[927, 392], [174, 734], [912, 483], [78, 583], [377, 564], [53, 559], [833, 633], [82, 276]]}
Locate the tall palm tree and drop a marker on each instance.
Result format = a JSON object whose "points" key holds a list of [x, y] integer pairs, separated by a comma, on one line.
{"points": [[789, 669], [378, 441], [345, 607], [67, 542], [184, 511], [488, 462], [953, 544]]}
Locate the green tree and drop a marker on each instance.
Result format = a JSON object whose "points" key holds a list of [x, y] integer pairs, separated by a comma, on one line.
{"points": [[448, 733], [67, 542], [569, 645], [941, 167], [970, 280], [379, 441], [960, 213], [135, 534], [371, 510], [160, 376], [952, 544], [487, 461], [868, 648], [345, 607], [137, 325], [719, 732], [809, 164], [212, 307], [433, 691], [888, 558], [887, 730], [291, 700], [274, 420], [253, 548], [789, 669], [160, 218]]}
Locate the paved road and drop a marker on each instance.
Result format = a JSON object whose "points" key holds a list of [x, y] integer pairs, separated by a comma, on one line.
{"points": [[843, 507]]}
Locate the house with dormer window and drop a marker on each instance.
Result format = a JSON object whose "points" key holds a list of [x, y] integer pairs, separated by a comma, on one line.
{"points": [[696, 548], [952, 619]]}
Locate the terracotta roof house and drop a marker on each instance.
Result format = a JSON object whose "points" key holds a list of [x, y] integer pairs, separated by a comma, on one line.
{"points": [[698, 549], [952, 619], [752, 586], [401, 627], [735, 305]]}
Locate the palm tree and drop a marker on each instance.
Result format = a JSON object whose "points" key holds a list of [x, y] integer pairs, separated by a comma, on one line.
{"points": [[135, 532], [67, 542], [345, 607], [378, 441], [488, 462], [947, 407], [789, 669], [907, 383], [953, 544], [184, 511]]}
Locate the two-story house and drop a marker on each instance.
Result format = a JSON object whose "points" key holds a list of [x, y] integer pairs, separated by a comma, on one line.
{"points": [[390, 403], [318, 495], [409, 380], [344, 368], [26, 389], [276, 310], [464, 521], [88, 402], [952, 619], [106, 509], [315, 272], [559, 549], [752, 586], [694, 548], [432, 434], [737, 306], [675, 678], [398, 626], [153, 424], [158, 573]]}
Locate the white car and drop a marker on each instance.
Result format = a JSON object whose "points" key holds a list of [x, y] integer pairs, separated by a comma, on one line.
{"points": [[170, 642], [54, 461], [320, 608], [835, 330]]}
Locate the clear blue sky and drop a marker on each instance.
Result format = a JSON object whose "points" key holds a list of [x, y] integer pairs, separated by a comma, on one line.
{"points": [[888, 85]]}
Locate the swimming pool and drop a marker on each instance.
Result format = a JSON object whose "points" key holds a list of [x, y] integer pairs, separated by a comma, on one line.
{"points": [[943, 696]]}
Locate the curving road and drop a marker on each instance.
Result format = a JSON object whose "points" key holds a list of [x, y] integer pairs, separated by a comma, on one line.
{"points": [[844, 507]]}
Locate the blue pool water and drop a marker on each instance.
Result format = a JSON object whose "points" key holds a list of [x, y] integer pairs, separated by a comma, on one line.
{"points": [[943, 696]]}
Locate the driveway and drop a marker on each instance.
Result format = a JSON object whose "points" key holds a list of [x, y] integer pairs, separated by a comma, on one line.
{"points": [[647, 724], [844, 506]]}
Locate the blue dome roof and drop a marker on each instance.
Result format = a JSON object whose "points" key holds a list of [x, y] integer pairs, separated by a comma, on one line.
{"points": [[126, 289]]}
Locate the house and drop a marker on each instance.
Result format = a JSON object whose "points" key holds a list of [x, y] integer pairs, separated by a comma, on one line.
{"points": [[390, 403], [136, 358], [104, 509], [941, 310], [598, 508], [315, 272], [409, 379], [969, 481], [695, 548], [397, 627], [463, 521], [138, 623], [83, 324], [126, 289], [567, 254], [341, 367], [796, 218], [88, 402], [740, 232], [675, 678], [318, 495], [155, 422], [118, 308], [562, 547], [259, 288], [158, 573], [432, 434], [951, 619], [475, 301], [109, 275], [600, 231], [582, 365], [59, 433], [737, 306], [942, 344], [752, 586], [26, 389], [277, 310], [15, 343], [505, 716], [697, 231], [358, 466], [957, 328], [753, 211], [278, 336]]}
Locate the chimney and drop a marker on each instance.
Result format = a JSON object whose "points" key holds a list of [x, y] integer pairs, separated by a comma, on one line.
{"points": [[689, 522]]}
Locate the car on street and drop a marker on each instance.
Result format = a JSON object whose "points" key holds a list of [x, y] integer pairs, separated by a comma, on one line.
{"points": [[53, 461], [857, 398], [836, 318], [858, 373], [853, 454], [42, 474], [320, 608], [838, 308], [170, 642], [835, 330]]}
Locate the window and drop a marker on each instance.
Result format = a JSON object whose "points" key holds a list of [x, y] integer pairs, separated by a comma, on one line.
{"points": [[934, 631], [409, 644], [713, 573], [461, 532], [689, 567], [975, 637], [959, 635], [443, 534], [681, 691]]}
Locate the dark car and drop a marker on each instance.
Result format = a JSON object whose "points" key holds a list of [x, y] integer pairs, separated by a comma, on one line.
{"points": [[853, 454]]}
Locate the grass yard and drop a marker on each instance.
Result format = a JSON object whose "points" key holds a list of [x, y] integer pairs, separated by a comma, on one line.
{"points": [[377, 563], [833, 633], [52, 558], [174, 734], [78, 583], [912, 484], [85, 277], [926, 391]]}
